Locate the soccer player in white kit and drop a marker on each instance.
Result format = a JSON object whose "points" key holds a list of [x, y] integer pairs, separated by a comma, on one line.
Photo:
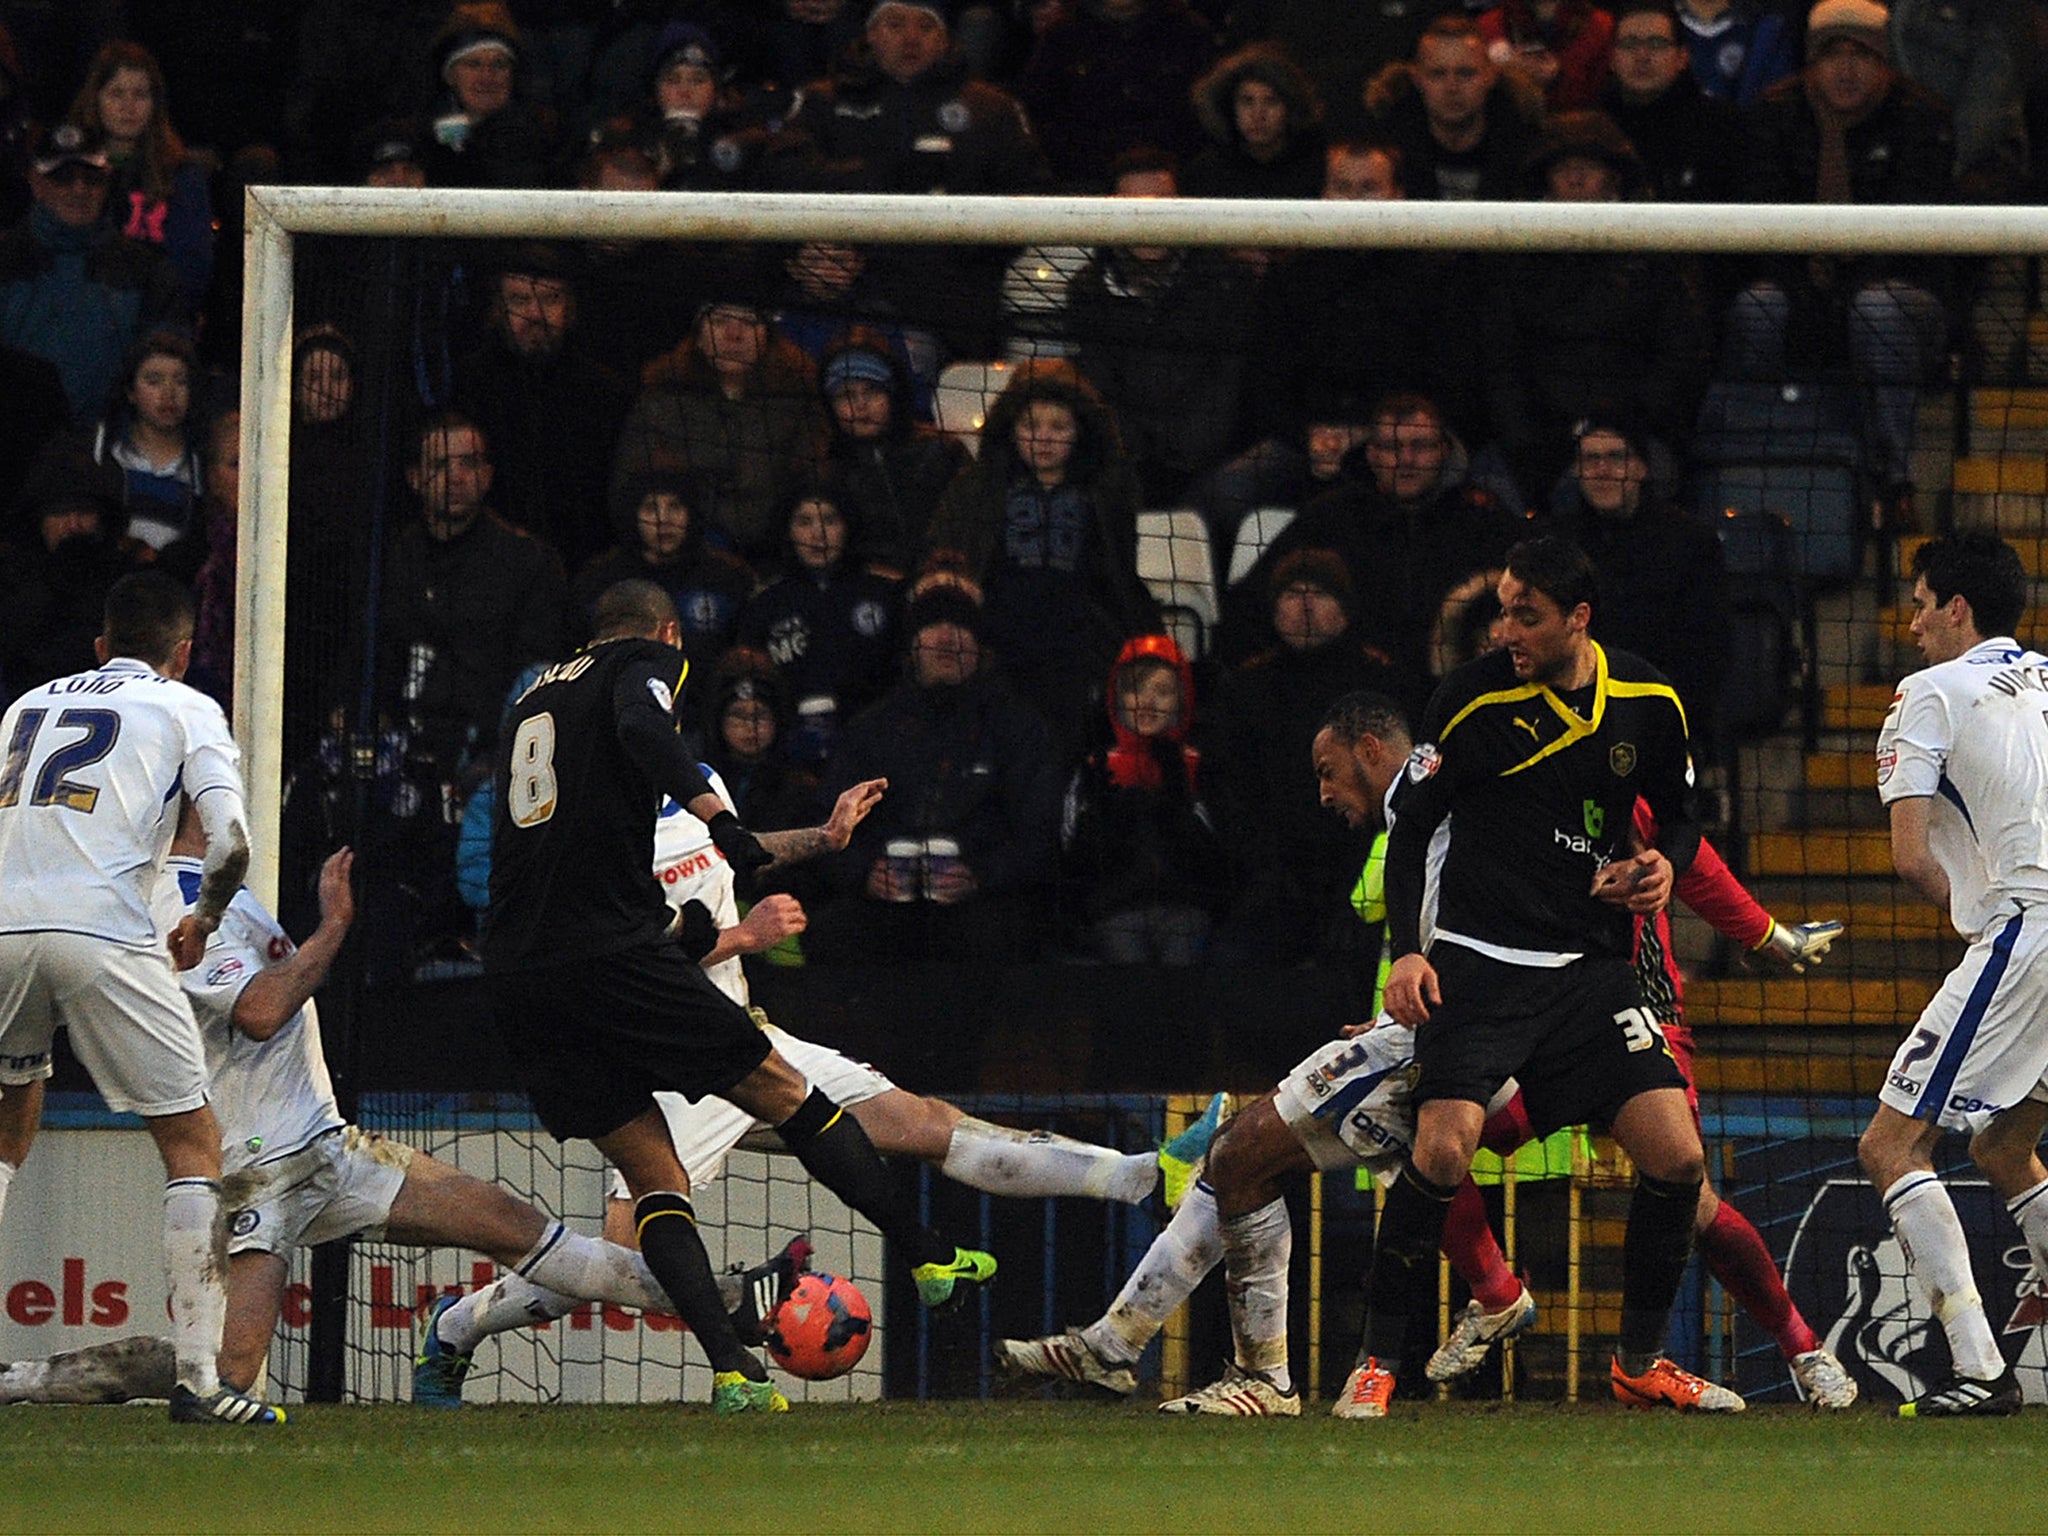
{"points": [[91, 769], [1962, 763], [974, 1152]]}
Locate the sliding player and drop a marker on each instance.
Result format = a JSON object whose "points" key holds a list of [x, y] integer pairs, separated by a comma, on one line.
{"points": [[1000, 1161], [297, 1174]]}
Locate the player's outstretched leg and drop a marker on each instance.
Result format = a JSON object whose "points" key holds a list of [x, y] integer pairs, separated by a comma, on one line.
{"points": [[459, 1324], [1181, 1155], [1037, 1164], [114, 1372], [836, 1152], [1102, 1354]]}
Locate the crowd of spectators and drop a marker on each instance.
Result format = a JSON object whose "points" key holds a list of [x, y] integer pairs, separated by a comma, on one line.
{"points": [[861, 592]]}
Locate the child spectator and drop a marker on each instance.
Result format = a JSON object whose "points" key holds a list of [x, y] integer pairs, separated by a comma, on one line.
{"points": [[146, 443], [829, 625], [1142, 861], [484, 135], [659, 517], [891, 469]]}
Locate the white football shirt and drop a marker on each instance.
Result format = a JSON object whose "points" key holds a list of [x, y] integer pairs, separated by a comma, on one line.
{"points": [[271, 1096], [1972, 735], [91, 767], [691, 869]]}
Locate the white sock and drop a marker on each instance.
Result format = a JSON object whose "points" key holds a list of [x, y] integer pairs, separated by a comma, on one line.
{"points": [[7, 1172], [1001, 1161], [195, 1270], [114, 1372], [591, 1269], [561, 1272], [2030, 1209], [1180, 1256], [1929, 1230], [1256, 1249]]}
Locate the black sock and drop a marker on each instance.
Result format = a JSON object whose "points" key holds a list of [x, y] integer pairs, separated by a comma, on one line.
{"points": [[837, 1153], [1404, 1262], [1654, 1252], [667, 1229]]}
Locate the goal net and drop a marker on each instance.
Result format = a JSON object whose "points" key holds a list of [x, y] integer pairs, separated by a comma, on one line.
{"points": [[1806, 394]]}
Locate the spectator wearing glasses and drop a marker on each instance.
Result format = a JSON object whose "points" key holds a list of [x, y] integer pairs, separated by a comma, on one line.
{"points": [[1689, 142]]}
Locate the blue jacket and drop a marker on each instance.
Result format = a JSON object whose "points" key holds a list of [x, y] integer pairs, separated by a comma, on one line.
{"points": [[79, 297]]}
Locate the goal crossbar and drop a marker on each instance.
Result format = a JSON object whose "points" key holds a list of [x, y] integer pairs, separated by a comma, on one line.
{"points": [[276, 215]]}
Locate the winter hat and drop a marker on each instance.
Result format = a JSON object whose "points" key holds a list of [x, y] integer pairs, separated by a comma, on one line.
{"points": [[1861, 21], [856, 362], [1588, 135], [472, 29], [936, 8], [683, 42], [1627, 424], [942, 604], [1321, 568]]}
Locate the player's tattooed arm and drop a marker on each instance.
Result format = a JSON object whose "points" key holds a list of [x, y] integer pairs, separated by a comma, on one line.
{"points": [[848, 812]]}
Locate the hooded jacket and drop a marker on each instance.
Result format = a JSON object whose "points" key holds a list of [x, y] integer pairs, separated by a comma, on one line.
{"points": [[1135, 831], [889, 486], [1225, 168], [756, 450], [971, 520]]}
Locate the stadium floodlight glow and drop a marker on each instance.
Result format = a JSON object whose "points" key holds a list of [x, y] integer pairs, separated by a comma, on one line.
{"points": [[275, 215]]}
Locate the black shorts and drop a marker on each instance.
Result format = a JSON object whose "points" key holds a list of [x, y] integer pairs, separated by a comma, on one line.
{"points": [[1580, 1039], [592, 1041]]}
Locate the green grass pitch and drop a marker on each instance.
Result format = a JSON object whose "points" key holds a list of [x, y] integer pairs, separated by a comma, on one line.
{"points": [[1069, 1467]]}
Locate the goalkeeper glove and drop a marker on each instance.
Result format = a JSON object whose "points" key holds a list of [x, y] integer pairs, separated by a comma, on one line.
{"points": [[1801, 944], [742, 850]]}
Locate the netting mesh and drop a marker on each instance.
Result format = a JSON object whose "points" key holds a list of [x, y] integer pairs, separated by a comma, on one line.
{"points": [[1227, 411]]}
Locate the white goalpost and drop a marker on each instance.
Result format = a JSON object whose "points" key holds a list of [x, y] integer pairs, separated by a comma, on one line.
{"points": [[277, 215]]}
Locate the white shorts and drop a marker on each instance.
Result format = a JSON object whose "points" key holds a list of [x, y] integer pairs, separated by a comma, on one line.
{"points": [[1352, 1102], [129, 1022], [1982, 1044], [340, 1184], [704, 1132]]}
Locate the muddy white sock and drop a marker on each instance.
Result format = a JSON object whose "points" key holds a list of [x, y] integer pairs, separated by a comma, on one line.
{"points": [[1036, 1164], [1925, 1220], [1180, 1256], [195, 1270], [2030, 1209], [1256, 1249]]}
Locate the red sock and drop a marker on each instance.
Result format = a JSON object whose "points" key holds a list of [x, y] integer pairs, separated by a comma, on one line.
{"points": [[1468, 1243], [1736, 1254], [1508, 1128]]}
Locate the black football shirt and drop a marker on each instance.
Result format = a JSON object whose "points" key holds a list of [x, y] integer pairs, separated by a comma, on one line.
{"points": [[588, 754]]}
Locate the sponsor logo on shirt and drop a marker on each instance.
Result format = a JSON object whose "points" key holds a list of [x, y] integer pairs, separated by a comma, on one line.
{"points": [[1887, 760], [226, 971], [1423, 762]]}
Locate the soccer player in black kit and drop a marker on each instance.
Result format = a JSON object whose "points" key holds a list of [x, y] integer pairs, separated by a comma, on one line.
{"points": [[1517, 802], [600, 1004]]}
